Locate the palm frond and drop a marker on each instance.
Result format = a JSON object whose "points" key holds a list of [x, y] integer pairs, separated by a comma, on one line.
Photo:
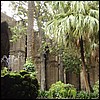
{"points": [[80, 19]]}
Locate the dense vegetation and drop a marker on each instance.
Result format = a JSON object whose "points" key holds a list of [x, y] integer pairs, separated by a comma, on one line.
{"points": [[19, 85], [24, 85], [60, 90], [70, 30]]}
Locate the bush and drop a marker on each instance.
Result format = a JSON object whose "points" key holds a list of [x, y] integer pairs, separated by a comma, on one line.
{"points": [[20, 85], [61, 90], [29, 65], [4, 71], [43, 94], [72, 62], [96, 90], [92, 95], [83, 95]]}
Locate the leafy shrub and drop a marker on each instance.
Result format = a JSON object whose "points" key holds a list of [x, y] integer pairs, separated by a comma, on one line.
{"points": [[92, 95], [4, 71], [72, 63], [83, 95], [43, 94], [29, 65], [61, 90], [96, 90], [20, 85]]}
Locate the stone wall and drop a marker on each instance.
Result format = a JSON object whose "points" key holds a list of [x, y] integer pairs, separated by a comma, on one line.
{"points": [[8, 19], [52, 72], [17, 54], [17, 49]]}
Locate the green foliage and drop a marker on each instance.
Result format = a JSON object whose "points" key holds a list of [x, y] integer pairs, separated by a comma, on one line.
{"points": [[43, 94], [77, 21], [23, 72], [79, 18], [83, 95], [72, 61], [61, 90], [19, 8], [4, 71], [20, 11], [96, 89], [92, 95], [19, 86], [29, 66], [18, 31]]}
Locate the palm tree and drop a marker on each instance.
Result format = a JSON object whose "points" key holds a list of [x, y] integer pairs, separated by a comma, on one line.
{"points": [[30, 35], [76, 20]]}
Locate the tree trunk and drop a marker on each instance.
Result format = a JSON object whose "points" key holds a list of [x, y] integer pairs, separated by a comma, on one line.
{"points": [[61, 68], [43, 80], [84, 66], [43, 61], [30, 34], [79, 82], [42, 66], [43, 70]]}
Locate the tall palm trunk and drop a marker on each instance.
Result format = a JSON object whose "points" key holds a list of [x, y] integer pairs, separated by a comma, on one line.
{"points": [[43, 61], [30, 35], [42, 65], [61, 68], [84, 66]]}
